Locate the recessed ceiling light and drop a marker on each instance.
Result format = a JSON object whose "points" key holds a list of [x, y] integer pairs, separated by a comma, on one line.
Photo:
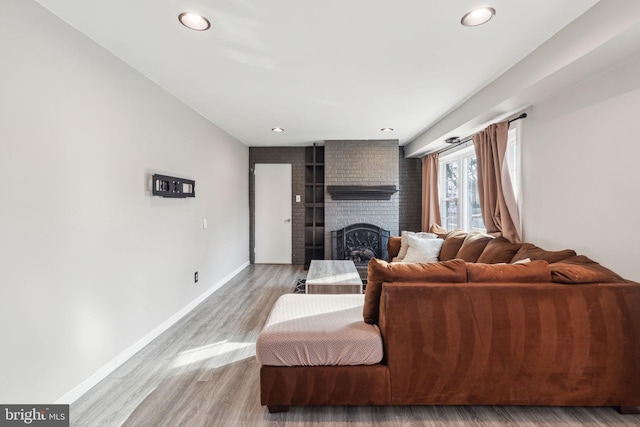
{"points": [[478, 16], [277, 129], [194, 21], [387, 129]]}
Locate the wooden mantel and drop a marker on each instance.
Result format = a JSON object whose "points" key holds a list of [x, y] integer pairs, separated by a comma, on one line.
{"points": [[361, 192]]}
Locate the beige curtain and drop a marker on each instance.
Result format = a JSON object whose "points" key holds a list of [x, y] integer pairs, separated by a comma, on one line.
{"points": [[497, 200], [430, 199]]}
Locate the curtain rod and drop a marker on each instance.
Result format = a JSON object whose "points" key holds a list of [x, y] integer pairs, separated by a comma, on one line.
{"points": [[521, 116], [469, 138]]}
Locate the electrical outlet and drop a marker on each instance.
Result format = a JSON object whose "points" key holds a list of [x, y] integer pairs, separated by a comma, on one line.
{"points": [[195, 277]]}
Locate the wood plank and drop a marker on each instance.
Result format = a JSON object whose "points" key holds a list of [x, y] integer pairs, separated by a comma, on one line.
{"points": [[203, 372]]}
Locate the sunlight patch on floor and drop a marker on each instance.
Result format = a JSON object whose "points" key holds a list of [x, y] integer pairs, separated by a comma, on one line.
{"points": [[217, 354]]}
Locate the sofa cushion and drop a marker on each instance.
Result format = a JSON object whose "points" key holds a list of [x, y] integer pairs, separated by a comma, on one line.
{"points": [[422, 250], [453, 271], [581, 269], [579, 259], [439, 231], [451, 245], [473, 246], [499, 250], [404, 241], [527, 250], [393, 246], [534, 271], [318, 330]]}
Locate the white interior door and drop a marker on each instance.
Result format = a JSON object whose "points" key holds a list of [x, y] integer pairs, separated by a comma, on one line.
{"points": [[272, 213]]}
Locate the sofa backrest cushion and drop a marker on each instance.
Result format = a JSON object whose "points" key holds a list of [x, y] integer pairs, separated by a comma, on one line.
{"points": [[379, 271], [581, 269], [439, 231], [473, 246], [499, 250], [452, 243], [534, 253], [531, 272]]}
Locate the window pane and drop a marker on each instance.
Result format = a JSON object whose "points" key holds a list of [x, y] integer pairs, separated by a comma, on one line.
{"points": [[474, 213], [450, 219], [451, 180]]}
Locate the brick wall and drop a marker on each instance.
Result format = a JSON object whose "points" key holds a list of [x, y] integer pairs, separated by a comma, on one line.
{"points": [[295, 156], [410, 194], [361, 163]]}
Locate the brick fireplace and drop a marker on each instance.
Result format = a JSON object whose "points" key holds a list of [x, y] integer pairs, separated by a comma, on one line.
{"points": [[360, 163]]}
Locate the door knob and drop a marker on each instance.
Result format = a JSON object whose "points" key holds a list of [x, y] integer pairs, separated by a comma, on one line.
{"points": [[287, 220]]}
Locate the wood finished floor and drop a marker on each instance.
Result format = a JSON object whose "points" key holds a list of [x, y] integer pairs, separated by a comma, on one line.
{"points": [[203, 372]]}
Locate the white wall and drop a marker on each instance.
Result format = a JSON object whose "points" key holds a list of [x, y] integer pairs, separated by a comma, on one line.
{"points": [[581, 159], [90, 262]]}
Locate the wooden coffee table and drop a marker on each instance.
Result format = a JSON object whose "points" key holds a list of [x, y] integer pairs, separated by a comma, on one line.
{"points": [[333, 277]]}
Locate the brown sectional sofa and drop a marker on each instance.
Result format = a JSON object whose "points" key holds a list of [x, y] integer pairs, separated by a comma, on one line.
{"points": [[560, 330]]}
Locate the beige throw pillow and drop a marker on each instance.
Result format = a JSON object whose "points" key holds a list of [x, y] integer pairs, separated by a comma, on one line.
{"points": [[423, 250], [404, 243]]}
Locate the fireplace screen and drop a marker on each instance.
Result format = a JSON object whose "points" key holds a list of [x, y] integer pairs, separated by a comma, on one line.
{"points": [[360, 243]]}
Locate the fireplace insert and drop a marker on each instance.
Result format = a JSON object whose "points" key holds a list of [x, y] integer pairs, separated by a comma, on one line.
{"points": [[360, 243]]}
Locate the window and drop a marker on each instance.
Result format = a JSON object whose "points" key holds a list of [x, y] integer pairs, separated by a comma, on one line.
{"points": [[458, 183], [459, 201]]}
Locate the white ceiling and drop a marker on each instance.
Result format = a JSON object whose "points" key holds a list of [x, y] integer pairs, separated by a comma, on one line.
{"points": [[332, 69]]}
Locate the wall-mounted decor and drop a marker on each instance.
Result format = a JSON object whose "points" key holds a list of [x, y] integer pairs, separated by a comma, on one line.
{"points": [[170, 186], [361, 192]]}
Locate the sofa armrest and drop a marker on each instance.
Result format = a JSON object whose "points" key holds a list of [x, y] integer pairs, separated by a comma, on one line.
{"points": [[504, 343]]}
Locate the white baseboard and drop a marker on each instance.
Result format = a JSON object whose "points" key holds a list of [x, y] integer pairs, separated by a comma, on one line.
{"points": [[112, 365]]}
